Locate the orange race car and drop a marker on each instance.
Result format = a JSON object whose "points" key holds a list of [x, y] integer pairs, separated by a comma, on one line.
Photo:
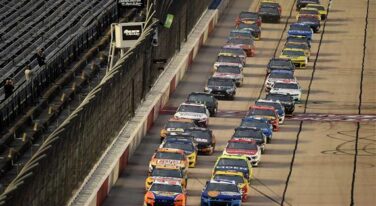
{"points": [[168, 156], [266, 112], [176, 125], [166, 192]]}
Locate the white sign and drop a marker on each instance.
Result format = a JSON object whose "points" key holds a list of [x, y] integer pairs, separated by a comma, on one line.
{"points": [[127, 34]]}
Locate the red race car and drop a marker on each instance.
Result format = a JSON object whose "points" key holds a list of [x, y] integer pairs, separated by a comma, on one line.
{"points": [[248, 18], [266, 112]]}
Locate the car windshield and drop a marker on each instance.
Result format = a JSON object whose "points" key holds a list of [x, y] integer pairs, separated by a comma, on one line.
{"points": [[228, 69], [169, 155], [310, 12], [237, 51], [239, 133], [202, 98], [247, 41], [279, 63], [318, 7], [238, 179], [248, 26], [239, 34], [191, 108], [200, 133], [280, 75], [296, 39], [307, 19], [166, 188], [166, 173], [248, 15], [285, 86], [280, 97], [241, 145], [292, 53], [269, 4], [182, 125], [276, 105], [296, 46], [257, 124], [262, 112], [300, 27], [180, 145], [229, 59], [232, 162], [268, 9], [221, 187], [223, 83]]}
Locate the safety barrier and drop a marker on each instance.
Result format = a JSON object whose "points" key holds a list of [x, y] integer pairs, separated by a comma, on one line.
{"points": [[115, 159]]}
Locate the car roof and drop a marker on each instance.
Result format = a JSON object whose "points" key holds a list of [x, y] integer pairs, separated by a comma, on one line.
{"points": [[248, 141], [268, 100], [229, 172], [167, 181], [173, 119], [192, 104], [222, 182]]}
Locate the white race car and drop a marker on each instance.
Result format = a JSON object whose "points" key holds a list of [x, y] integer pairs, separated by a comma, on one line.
{"points": [[197, 112], [279, 75], [228, 60], [291, 88], [230, 72]]}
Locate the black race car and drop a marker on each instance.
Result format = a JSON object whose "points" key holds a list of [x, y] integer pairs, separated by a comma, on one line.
{"points": [[280, 64], [311, 21], [298, 39], [286, 100], [221, 87], [204, 139], [251, 133], [269, 14], [302, 3], [209, 100]]}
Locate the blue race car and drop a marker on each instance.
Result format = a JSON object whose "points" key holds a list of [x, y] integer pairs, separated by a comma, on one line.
{"points": [[259, 123], [298, 29], [221, 192]]}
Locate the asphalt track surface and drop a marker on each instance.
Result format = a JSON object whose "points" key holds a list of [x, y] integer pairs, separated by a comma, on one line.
{"points": [[308, 162]]}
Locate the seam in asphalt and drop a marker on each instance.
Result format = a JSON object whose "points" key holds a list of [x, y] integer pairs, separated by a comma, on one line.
{"points": [[352, 202], [279, 43], [305, 105]]}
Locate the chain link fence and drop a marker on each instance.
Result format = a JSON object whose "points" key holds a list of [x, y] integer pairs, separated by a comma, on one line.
{"points": [[69, 153]]}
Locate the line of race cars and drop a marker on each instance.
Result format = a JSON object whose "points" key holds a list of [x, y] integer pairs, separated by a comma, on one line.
{"points": [[187, 135]]}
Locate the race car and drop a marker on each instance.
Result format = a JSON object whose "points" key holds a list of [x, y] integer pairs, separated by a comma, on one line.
{"points": [[320, 8], [287, 87], [166, 156], [204, 138], [221, 192], [176, 125], [251, 133], [187, 145], [301, 46], [309, 12], [238, 163], [162, 172], [230, 72], [208, 100], [196, 112], [166, 192], [228, 60], [253, 28], [246, 147], [297, 29], [313, 22], [271, 3], [259, 123], [278, 75], [277, 106], [237, 177], [266, 112], [286, 100], [280, 64], [221, 87], [237, 33], [234, 50], [269, 14], [246, 44], [248, 17], [302, 3], [297, 56], [298, 40]]}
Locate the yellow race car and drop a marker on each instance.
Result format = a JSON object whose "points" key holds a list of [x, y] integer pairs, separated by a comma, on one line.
{"points": [[163, 172], [297, 56], [302, 46], [312, 12], [168, 156], [239, 179], [176, 126], [319, 8], [187, 145], [237, 163]]}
